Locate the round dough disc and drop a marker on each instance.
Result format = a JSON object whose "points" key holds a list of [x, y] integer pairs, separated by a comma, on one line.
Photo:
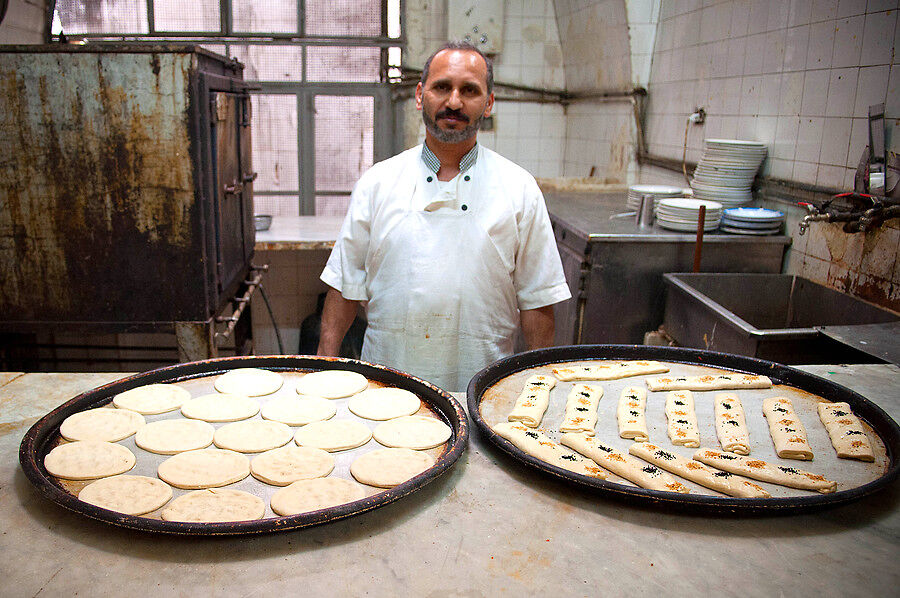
{"points": [[384, 403], [388, 467], [413, 431], [88, 459], [253, 436], [297, 411], [250, 382], [152, 399], [129, 494], [311, 495], [283, 466], [331, 384], [333, 435], [103, 424], [204, 468], [171, 436], [215, 505], [220, 408]]}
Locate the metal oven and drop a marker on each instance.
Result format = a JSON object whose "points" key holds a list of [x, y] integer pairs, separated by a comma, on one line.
{"points": [[126, 191]]}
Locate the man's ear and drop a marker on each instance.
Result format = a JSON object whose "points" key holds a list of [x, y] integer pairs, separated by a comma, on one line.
{"points": [[419, 93], [489, 106]]}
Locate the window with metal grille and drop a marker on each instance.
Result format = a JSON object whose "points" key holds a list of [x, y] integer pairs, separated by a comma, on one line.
{"points": [[321, 110]]}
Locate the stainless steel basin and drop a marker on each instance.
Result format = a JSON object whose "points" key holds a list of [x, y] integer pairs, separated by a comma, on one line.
{"points": [[770, 316]]}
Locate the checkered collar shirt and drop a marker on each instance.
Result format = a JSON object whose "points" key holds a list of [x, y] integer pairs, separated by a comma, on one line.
{"points": [[434, 165]]}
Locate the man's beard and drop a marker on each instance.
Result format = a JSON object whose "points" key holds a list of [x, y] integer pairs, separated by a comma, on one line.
{"points": [[450, 135]]}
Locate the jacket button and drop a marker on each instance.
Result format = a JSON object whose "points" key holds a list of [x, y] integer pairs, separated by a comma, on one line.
{"points": [[467, 177], [429, 179], [465, 207]]}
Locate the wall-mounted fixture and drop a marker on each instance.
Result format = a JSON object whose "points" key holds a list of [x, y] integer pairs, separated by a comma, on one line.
{"points": [[477, 21]]}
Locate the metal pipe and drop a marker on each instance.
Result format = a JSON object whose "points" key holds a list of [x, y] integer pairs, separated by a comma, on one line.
{"points": [[242, 302]]}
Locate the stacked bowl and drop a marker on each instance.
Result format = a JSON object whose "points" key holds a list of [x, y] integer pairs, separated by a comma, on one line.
{"points": [[752, 221], [682, 214], [635, 192], [726, 171]]}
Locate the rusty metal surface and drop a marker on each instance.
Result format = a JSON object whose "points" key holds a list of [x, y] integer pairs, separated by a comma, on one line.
{"points": [[106, 212], [96, 169], [492, 392], [197, 378]]}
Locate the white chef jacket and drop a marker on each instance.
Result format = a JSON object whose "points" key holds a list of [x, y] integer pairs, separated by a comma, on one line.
{"points": [[445, 266]]}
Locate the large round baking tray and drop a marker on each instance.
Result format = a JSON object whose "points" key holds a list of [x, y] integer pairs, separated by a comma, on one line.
{"points": [[40, 439], [886, 428]]}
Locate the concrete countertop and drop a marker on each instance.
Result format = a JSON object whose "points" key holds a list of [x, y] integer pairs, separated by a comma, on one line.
{"points": [[489, 527], [299, 232]]}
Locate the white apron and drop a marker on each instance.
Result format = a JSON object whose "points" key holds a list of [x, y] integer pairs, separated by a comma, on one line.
{"points": [[443, 303]]}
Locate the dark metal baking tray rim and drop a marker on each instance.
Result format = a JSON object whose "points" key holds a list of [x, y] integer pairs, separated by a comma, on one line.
{"points": [[35, 444], [880, 421]]}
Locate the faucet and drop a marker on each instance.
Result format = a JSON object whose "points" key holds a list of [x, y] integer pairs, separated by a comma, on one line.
{"points": [[877, 210], [812, 215]]}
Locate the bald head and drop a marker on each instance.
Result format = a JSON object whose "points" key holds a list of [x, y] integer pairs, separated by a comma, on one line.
{"points": [[463, 47]]}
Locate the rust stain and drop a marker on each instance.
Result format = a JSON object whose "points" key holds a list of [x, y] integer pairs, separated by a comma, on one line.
{"points": [[98, 176]]}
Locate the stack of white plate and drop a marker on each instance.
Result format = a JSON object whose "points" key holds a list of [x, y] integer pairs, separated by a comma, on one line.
{"points": [[681, 214], [657, 191], [726, 171], [752, 221]]}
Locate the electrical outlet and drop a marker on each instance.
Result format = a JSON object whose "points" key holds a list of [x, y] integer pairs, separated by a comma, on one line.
{"points": [[699, 116]]}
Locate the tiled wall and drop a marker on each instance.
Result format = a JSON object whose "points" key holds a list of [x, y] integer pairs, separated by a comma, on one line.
{"points": [[607, 46], [798, 75], [528, 133], [292, 285]]}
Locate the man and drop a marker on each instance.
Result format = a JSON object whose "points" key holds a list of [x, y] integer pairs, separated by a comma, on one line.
{"points": [[448, 242]]}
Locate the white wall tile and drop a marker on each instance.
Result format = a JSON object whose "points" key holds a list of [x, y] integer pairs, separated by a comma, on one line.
{"points": [[755, 54], [736, 51], [759, 17], [842, 92], [859, 140], [835, 141], [786, 132], [773, 55], [848, 39], [779, 14], [877, 37], [750, 90], [809, 139], [769, 94], [815, 93], [871, 88], [823, 10], [799, 13], [848, 8], [805, 172], [892, 105], [821, 45], [796, 47], [877, 5], [740, 19]]}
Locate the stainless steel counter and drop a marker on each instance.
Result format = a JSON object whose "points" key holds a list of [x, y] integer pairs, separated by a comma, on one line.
{"points": [[588, 215], [614, 268], [488, 528]]}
